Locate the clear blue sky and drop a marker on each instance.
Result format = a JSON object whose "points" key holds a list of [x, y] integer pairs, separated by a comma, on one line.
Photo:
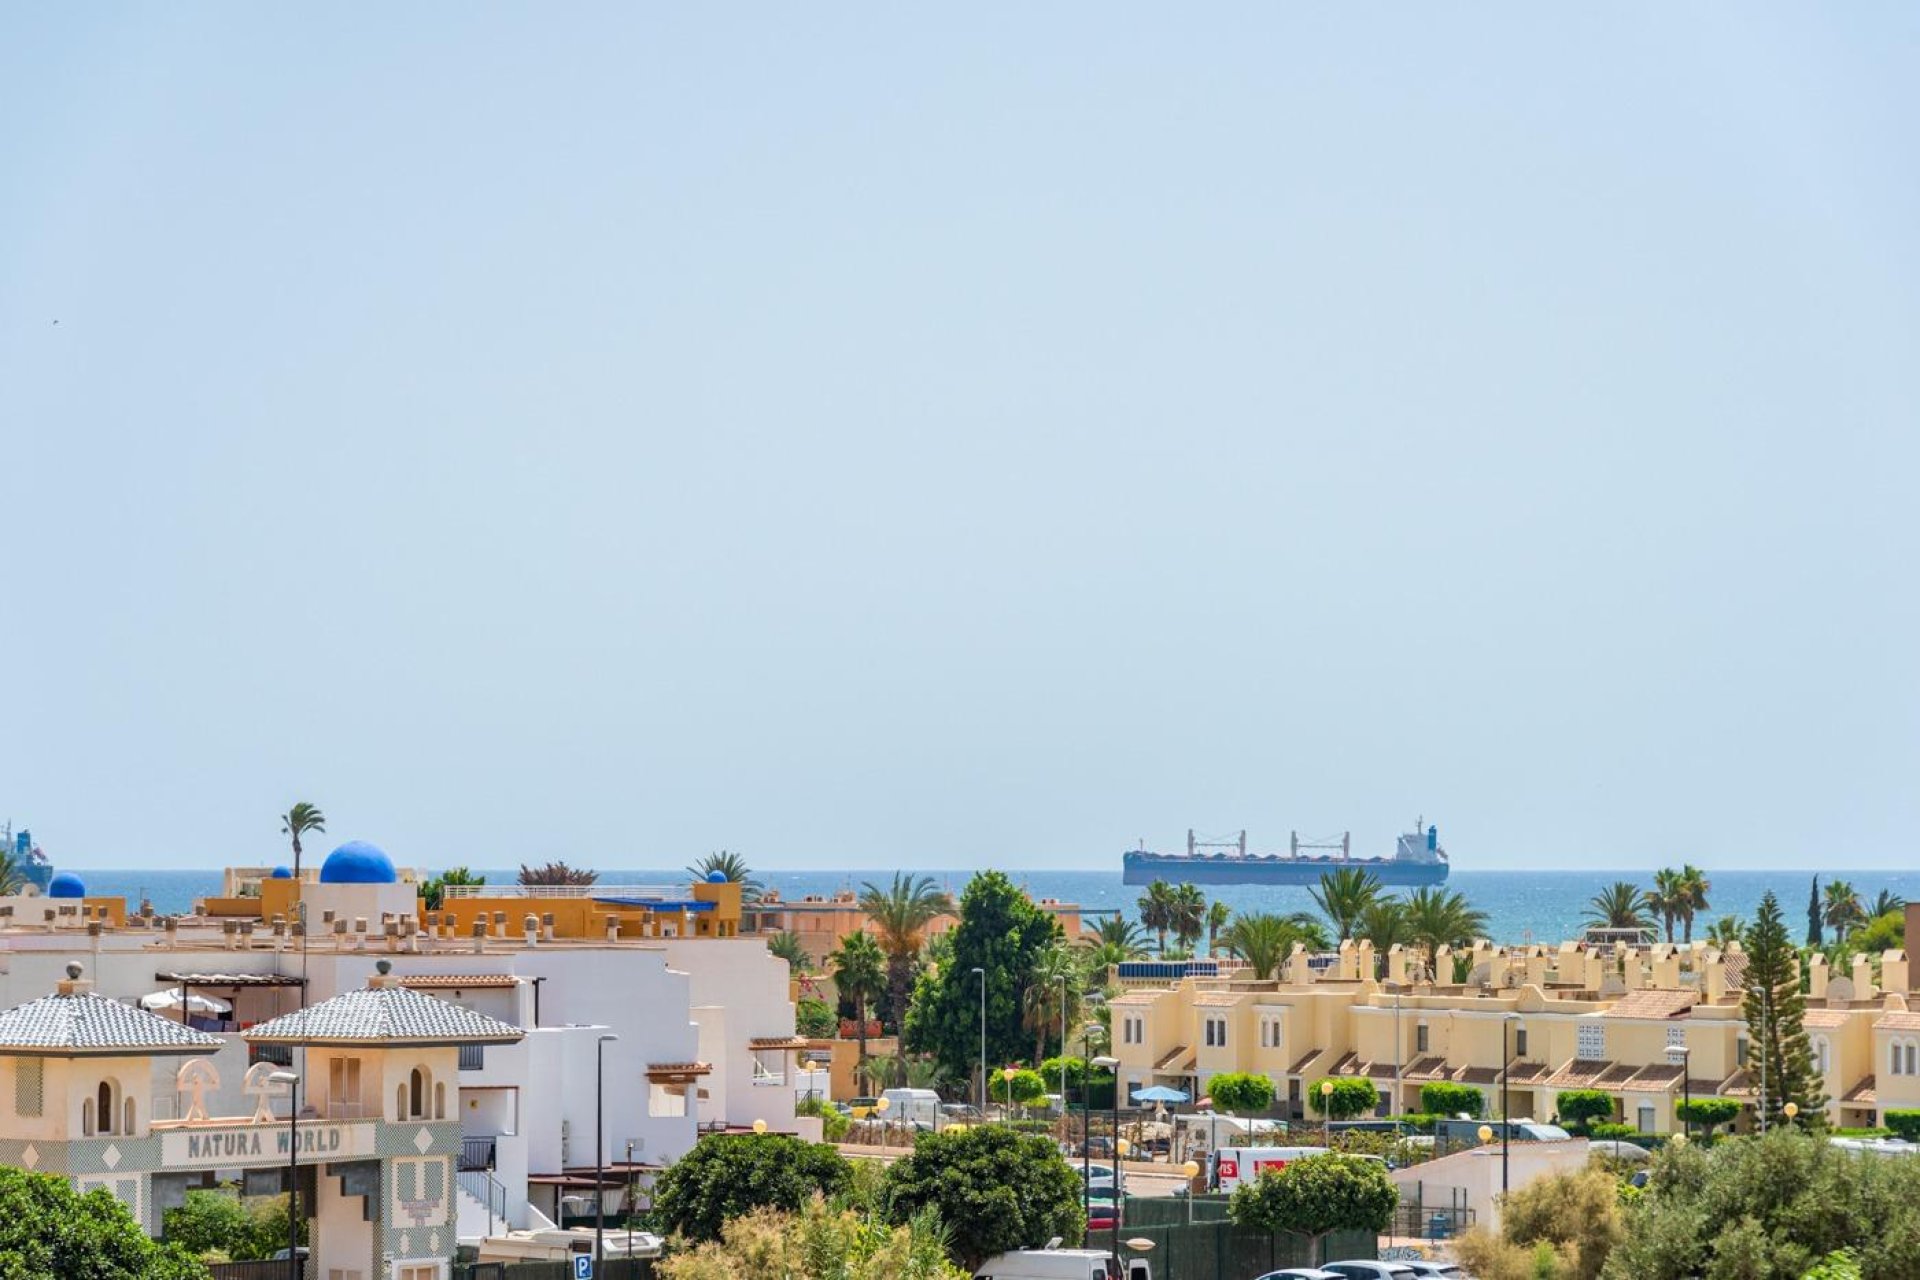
{"points": [[879, 437]]}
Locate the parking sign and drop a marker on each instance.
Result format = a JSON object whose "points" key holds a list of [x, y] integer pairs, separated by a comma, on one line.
{"points": [[582, 1266]]}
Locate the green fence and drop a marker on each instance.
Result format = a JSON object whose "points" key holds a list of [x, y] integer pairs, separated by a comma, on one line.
{"points": [[609, 1269], [1217, 1250]]}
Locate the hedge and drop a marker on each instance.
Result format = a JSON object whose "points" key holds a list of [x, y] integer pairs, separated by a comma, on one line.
{"points": [[1904, 1124], [1443, 1097], [1351, 1096]]}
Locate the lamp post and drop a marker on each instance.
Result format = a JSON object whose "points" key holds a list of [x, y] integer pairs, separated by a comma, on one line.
{"points": [[1399, 1053], [1006, 1104], [982, 975], [1087, 1033], [1506, 1120], [1326, 1109], [600, 1150], [1064, 981], [1791, 1110], [292, 1081], [1120, 1149], [1684, 1055]]}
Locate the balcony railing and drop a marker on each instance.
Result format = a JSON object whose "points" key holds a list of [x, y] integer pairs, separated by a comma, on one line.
{"points": [[476, 1153], [473, 1057]]}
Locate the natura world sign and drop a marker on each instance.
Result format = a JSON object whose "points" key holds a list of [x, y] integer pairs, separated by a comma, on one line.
{"points": [[247, 1145]]}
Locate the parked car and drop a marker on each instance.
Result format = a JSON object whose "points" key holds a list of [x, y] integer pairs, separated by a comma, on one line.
{"points": [[1368, 1269], [861, 1108], [1094, 1170], [1420, 1267], [1301, 1273], [961, 1111]]}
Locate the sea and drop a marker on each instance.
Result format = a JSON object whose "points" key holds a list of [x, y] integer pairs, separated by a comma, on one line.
{"points": [[1521, 906]]}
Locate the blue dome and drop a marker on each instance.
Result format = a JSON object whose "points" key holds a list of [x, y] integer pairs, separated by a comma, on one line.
{"points": [[66, 885], [357, 862], [281, 873], [716, 877]]}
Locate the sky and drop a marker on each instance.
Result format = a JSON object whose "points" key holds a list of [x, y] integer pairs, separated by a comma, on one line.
{"points": [[871, 437]]}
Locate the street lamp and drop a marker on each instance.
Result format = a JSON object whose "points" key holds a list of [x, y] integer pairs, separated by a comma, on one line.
{"points": [[1506, 1120], [1087, 1033], [1326, 1108], [1192, 1171], [759, 1127], [1120, 1149], [1791, 1110], [1064, 981], [1684, 1056], [600, 1150], [292, 1082], [982, 975], [1007, 1074]]}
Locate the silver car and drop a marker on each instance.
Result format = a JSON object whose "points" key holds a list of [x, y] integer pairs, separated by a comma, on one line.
{"points": [[1371, 1270]]}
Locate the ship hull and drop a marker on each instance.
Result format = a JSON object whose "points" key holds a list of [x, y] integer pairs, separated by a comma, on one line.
{"points": [[1145, 868]]}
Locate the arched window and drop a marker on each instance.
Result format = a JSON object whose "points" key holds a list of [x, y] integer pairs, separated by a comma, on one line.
{"points": [[419, 1095], [400, 1102], [86, 1115], [440, 1101], [1822, 1054], [103, 1108], [126, 1126]]}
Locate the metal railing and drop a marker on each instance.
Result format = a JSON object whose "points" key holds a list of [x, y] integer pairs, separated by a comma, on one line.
{"points": [[489, 1191], [565, 891], [473, 1057], [477, 1153]]}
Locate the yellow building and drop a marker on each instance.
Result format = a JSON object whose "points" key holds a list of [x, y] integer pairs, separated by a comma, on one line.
{"points": [[821, 920], [1646, 1026]]}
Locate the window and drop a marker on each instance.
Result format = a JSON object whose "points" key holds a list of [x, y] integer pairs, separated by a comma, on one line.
{"points": [[1269, 1031], [1216, 1032], [1740, 1052], [1822, 1054], [343, 1082], [1645, 1124], [416, 1097], [1677, 1036], [1519, 1042], [1903, 1058], [473, 1057], [29, 1086], [667, 1100], [1591, 1041], [1133, 1031], [770, 1066], [1420, 1038]]}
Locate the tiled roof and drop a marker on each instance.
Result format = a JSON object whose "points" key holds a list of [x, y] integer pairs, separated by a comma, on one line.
{"points": [[388, 1014], [84, 1023], [1824, 1018], [1527, 1070], [657, 1069], [1144, 997], [1616, 1076], [1429, 1068], [1578, 1073], [1380, 1070], [1738, 1085], [1652, 1003], [1349, 1065], [1862, 1093], [1172, 1061], [778, 1042], [436, 981], [1897, 1022], [1216, 999], [1300, 1067], [1477, 1075], [1659, 1075], [230, 979]]}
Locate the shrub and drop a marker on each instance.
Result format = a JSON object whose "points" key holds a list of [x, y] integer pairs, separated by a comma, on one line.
{"points": [[1709, 1113], [821, 1242], [833, 1125], [1315, 1197], [1351, 1096], [733, 1173], [1579, 1108], [1443, 1097], [1904, 1124], [1616, 1132], [1238, 1092], [994, 1189], [814, 1019], [1022, 1087], [1578, 1215], [49, 1229]]}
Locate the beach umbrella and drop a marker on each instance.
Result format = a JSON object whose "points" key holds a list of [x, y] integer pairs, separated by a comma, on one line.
{"points": [[1158, 1093], [169, 1001]]}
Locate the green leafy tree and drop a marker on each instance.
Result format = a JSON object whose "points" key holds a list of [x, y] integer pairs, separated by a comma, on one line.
{"points": [[1079, 1075], [859, 970], [1664, 898], [1775, 1010], [1562, 1226], [1724, 930], [814, 1019], [900, 914], [1002, 933], [302, 820], [833, 1124], [1026, 1086], [13, 872], [1218, 914], [1886, 932], [556, 873], [1385, 925], [1350, 1096], [1445, 1098], [434, 891], [729, 1174], [995, 1189], [1125, 937], [49, 1230], [1707, 1114], [733, 868], [1621, 905], [1343, 897], [1156, 912], [1580, 1108], [1692, 886], [1316, 1197], [214, 1225], [1886, 902], [821, 1242], [1240, 1093], [1841, 909]]}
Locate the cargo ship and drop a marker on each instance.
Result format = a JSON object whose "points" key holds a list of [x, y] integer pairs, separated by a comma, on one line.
{"points": [[1417, 859], [33, 865]]}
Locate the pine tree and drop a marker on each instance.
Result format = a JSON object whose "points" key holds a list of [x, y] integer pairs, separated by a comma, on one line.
{"points": [[1776, 1011], [1814, 936]]}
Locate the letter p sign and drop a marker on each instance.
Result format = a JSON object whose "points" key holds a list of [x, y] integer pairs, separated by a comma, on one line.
{"points": [[582, 1266]]}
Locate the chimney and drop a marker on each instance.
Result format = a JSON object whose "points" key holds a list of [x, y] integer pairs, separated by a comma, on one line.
{"points": [[392, 931], [1863, 988], [500, 923], [479, 936], [359, 933], [1666, 967], [1893, 971], [382, 976], [1633, 969], [229, 934], [1397, 964], [1348, 966], [75, 984], [1537, 965], [1442, 965], [1299, 972], [1593, 970], [546, 925], [531, 927], [1713, 979], [1817, 977], [1364, 960], [613, 929]]}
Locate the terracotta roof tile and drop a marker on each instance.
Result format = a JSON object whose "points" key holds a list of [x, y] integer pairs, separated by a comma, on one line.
{"points": [[1824, 1018], [1897, 1022], [1300, 1067], [1428, 1068], [435, 981], [1862, 1093], [1652, 1003], [1167, 1063], [1578, 1073]]}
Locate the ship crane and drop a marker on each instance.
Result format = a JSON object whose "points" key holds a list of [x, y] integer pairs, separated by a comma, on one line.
{"points": [[1344, 844], [1238, 844]]}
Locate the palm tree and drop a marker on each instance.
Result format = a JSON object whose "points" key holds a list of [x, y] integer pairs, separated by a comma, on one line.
{"points": [[1885, 904], [557, 873], [1841, 908], [298, 821], [1665, 897], [1156, 911], [1442, 917], [1724, 930], [1118, 931], [434, 891], [1218, 913], [1385, 924], [787, 945], [1056, 978], [1189, 917], [732, 867], [900, 914], [859, 974], [1344, 896], [13, 873], [1693, 887], [1265, 940], [1621, 905]]}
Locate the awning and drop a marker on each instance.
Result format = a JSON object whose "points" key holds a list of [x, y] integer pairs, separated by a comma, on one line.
{"points": [[677, 1072], [231, 979], [169, 1001], [778, 1042]]}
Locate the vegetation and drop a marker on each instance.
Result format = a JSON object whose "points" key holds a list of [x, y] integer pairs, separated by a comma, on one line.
{"points": [[1904, 1124], [1384, 923], [833, 1125], [1156, 912], [729, 1174], [434, 891], [556, 873], [1218, 914], [1707, 1114], [1317, 1196], [13, 873], [218, 1226], [819, 1242], [303, 819], [1561, 1227], [1080, 1074], [1026, 1086], [1343, 898], [1580, 1108], [1886, 902], [1188, 915], [1769, 1208], [993, 1188], [1350, 1096], [859, 974], [787, 945], [1726, 929], [1841, 909], [1002, 933], [1621, 905], [1112, 941], [49, 1229], [1445, 1098], [1240, 1093], [1056, 988], [1264, 940], [1814, 917], [732, 868], [900, 914], [1775, 1009], [813, 1018], [1885, 932], [1439, 917]]}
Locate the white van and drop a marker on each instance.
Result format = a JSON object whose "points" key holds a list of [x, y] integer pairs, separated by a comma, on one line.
{"points": [[1235, 1165], [920, 1106], [1061, 1264]]}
